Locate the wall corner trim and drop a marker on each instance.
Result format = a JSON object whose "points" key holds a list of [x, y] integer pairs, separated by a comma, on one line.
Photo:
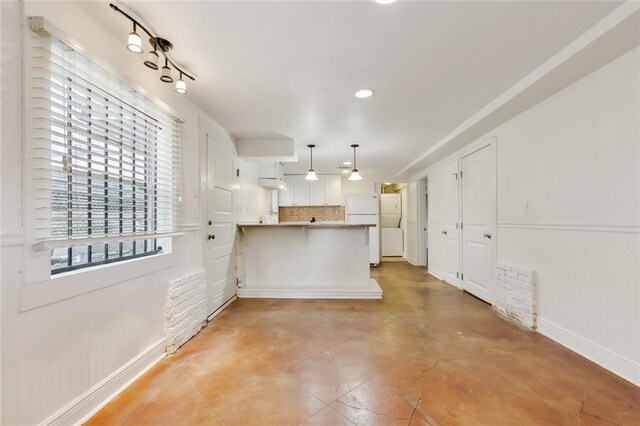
{"points": [[90, 402], [620, 365]]}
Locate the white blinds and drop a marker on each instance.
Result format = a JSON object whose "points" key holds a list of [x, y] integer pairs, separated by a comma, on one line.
{"points": [[106, 160]]}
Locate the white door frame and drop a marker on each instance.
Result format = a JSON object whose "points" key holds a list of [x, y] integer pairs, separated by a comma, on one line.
{"points": [[421, 188], [205, 128]]}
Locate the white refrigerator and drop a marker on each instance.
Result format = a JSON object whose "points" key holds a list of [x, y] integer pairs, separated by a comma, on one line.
{"points": [[365, 209]]}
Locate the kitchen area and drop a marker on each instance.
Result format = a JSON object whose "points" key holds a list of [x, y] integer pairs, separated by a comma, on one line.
{"points": [[315, 242]]}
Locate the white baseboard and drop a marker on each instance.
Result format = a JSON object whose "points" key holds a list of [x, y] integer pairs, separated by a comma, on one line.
{"points": [[436, 273], [89, 403], [623, 367], [372, 291]]}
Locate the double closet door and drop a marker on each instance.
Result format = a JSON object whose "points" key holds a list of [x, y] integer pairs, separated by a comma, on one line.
{"points": [[462, 238]]}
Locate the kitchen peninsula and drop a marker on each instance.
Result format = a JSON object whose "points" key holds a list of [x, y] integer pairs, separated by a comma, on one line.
{"points": [[302, 260]]}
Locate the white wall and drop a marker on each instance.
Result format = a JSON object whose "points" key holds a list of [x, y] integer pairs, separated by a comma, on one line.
{"points": [[253, 200], [55, 353], [365, 186], [568, 207]]}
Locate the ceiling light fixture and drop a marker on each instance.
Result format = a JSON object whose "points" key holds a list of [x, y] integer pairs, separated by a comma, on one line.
{"points": [[385, 1], [181, 86], [158, 44], [166, 72], [354, 173], [312, 174], [152, 59], [364, 93], [346, 163], [134, 42]]}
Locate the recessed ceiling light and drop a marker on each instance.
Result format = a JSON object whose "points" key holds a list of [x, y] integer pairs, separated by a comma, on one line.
{"points": [[346, 163], [364, 93], [385, 1]]}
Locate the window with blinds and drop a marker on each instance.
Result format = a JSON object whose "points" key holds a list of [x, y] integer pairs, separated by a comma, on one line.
{"points": [[106, 162]]}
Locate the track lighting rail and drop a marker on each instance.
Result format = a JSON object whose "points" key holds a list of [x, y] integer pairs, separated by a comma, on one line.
{"points": [[162, 45]]}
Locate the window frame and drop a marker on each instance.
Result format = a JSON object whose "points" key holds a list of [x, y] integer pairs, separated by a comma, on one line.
{"points": [[146, 133]]}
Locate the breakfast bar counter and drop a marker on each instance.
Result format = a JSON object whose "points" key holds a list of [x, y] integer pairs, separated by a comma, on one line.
{"points": [[303, 260]]}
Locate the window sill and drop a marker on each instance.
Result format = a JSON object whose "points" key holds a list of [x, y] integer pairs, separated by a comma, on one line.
{"points": [[75, 283], [51, 244]]}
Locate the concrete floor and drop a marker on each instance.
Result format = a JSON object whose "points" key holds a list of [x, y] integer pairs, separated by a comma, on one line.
{"points": [[426, 354]]}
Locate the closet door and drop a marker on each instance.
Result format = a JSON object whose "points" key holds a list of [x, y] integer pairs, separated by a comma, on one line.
{"points": [[479, 221], [450, 226]]}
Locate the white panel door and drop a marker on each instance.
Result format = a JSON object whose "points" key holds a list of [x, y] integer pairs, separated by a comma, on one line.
{"points": [[300, 191], [317, 191], [221, 227], [333, 190], [450, 226], [479, 221]]}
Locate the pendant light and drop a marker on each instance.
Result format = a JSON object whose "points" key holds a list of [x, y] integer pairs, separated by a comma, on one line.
{"points": [[312, 174], [134, 42], [354, 173]]}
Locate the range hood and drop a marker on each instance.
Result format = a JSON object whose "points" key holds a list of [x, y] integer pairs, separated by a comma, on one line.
{"points": [[272, 183]]}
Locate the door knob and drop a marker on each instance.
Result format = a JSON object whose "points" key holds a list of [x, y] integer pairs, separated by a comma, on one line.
{"points": [[487, 236], [444, 232], [211, 237]]}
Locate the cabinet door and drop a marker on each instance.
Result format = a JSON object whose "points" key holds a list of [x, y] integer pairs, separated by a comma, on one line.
{"points": [[300, 191], [390, 204], [285, 198], [317, 191], [333, 190]]}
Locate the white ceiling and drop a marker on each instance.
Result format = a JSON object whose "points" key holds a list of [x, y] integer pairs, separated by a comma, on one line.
{"points": [[293, 67]]}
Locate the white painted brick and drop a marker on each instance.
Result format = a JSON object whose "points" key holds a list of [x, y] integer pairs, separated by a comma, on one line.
{"points": [[185, 311], [516, 293]]}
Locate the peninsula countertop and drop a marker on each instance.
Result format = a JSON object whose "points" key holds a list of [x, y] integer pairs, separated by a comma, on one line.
{"points": [[307, 225]]}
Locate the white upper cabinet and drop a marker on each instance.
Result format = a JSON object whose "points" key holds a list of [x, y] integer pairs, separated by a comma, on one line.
{"points": [[333, 190], [326, 191], [300, 191], [317, 191], [390, 204]]}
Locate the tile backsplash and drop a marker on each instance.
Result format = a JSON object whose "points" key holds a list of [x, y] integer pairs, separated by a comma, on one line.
{"points": [[304, 214]]}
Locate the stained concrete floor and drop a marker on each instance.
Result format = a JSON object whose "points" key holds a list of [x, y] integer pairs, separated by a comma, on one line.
{"points": [[426, 354]]}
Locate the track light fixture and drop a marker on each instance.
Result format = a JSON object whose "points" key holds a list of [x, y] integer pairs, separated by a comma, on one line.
{"points": [[166, 72], [181, 86], [312, 174], [354, 173], [134, 42], [152, 59], [159, 46]]}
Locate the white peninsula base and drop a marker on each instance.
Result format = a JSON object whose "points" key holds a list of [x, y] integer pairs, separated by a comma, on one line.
{"points": [[306, 261]]}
